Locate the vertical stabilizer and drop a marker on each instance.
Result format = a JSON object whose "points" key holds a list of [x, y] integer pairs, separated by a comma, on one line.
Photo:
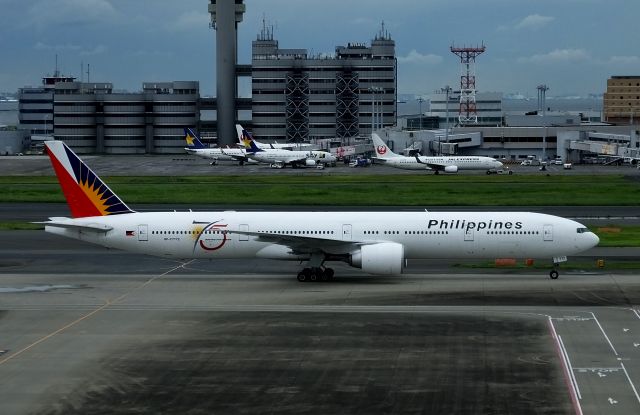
{"points": [[382, 150], [86, 194], [192, 139]]}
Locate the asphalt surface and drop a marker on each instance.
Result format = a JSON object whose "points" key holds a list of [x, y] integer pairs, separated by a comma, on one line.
{"points": [[89, 330], [175, 165]]}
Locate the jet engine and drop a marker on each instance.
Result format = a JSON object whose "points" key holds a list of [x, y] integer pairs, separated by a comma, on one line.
{"points": [[384, 258], [310, 163], [451, 169]]}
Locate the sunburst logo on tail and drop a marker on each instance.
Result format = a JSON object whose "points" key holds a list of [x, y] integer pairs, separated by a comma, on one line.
{"points": [[86, 194], [98, 195]]}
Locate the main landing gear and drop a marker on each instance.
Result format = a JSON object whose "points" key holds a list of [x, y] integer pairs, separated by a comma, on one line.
{"points": [[315, 274], [315, 271]]}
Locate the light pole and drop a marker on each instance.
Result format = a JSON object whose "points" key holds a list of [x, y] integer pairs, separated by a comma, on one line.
{"points": [[374, 116], [447, 91], [542, 97], [420, 101]]}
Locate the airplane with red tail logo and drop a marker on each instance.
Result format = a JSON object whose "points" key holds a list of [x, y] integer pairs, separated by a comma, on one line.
{"points": [[379, 243], [446, 164]]}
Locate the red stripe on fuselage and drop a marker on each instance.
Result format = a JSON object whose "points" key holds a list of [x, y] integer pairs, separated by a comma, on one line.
{"points": [[81, 206]]}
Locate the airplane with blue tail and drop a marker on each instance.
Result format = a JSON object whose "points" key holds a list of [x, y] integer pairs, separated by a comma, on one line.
{"points": [[279, 158], [379, 243], [197, 148]]}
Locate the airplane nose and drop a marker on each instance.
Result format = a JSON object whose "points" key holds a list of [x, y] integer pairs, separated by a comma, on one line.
{"points": [[594, 240]]}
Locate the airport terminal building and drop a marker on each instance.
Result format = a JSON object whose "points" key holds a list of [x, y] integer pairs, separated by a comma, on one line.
{"points": [[92, 118], [298, 96]]}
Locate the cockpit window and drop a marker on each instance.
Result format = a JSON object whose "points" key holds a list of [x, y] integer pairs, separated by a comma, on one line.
{"points": [[583, 230]]}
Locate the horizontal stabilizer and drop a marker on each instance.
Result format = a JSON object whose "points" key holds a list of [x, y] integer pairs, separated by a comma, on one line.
{"points": [[75, 224]]}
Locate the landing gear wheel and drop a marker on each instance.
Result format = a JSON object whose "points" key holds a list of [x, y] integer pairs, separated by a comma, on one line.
{"points": [[437, 172], [489, 172], [554, 274], [314, 276], [329, 273], [305, 275], [324, 276]]}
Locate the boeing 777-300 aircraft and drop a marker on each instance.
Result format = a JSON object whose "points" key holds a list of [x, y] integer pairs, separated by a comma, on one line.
{"points": [[197, 148], [447, 164], [377, 242]]}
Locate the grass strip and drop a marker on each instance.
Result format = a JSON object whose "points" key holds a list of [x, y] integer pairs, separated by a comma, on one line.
{"points": [[355, 190]]}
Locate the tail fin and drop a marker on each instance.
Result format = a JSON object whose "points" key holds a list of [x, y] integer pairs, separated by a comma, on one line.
{"points": [[239, 131], [86, 194], [193, 142], [246, 139], [382, 150]]}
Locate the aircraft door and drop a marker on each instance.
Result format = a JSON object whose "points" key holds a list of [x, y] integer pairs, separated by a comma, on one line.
{"points": [[143, 233], [469, 234], [243, 228], [346, 232], [547, 232]]}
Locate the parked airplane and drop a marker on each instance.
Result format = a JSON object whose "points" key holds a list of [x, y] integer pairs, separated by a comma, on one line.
{"points": [[378, 243], [196, 147], [447, 164], [280, 158], [276, 145]]}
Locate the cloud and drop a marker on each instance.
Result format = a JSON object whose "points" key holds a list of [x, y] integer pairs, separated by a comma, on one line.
{"points": [[98, 50], [69, 47], [416, 57], [192, 20], [557, 56], [534, 21], [52, 13], [62, 47], [362, 21], [624, 60]]}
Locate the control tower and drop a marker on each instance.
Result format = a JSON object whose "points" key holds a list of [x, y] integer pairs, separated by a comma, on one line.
{"points": [[225, 16]]}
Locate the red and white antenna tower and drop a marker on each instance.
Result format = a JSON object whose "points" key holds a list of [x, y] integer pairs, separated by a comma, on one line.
{"points": [[468, 111]]}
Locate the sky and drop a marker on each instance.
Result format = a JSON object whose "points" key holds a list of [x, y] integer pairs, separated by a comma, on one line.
{"points": [[572, 46]]}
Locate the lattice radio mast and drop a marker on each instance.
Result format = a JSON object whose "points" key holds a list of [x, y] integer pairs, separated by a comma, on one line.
{"points": [[468, 110]]}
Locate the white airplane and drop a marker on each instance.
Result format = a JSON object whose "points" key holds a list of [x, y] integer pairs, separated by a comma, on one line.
{"points": [[279, 158], [445, 164], [378, 243], [276, 145], [197, 148]]}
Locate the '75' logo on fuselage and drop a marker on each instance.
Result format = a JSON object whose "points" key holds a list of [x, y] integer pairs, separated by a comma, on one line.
{"points": [[212, 237]]}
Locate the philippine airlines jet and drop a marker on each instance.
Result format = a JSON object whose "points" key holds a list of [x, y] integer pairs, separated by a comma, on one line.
{"points": [[437, 164], [280, 158], [196, 147], [378, 243]]}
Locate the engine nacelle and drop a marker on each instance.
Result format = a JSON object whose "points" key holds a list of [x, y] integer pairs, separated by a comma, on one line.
{"points": [[310, 163], [451, 169], [384, 258]]}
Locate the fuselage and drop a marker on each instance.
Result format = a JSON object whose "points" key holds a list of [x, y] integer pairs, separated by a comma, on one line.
{"points": [[461, 162], [220, 154], [423, 235], [291, 156]]}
